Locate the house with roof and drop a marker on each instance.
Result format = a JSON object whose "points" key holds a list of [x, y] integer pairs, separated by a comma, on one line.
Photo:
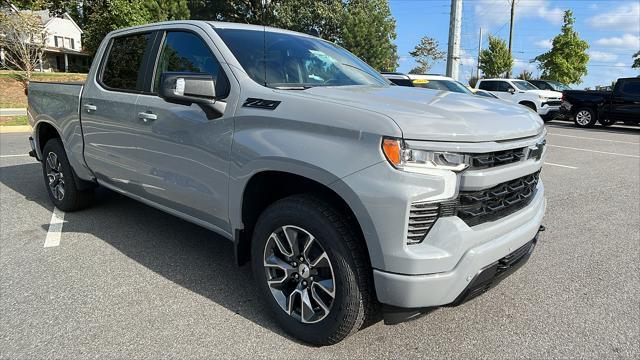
{"points": [[63, 43]]}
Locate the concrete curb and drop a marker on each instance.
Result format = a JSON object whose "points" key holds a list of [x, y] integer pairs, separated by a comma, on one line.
{"points": [[15, 129], [13, 112]]}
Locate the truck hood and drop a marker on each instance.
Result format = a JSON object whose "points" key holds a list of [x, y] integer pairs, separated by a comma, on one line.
{"points": [[546, 93], [424, 114]]}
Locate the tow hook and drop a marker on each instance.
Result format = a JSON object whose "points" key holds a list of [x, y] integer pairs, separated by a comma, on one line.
{"points": [[542, 228]]}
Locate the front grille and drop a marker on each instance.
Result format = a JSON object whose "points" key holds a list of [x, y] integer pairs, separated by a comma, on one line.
{"points": [[476, 207], [421, 219], [487, 160], [554, 103], [473, 207]]}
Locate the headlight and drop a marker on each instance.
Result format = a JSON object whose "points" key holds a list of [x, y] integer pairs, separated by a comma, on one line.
{"points": [[543, 98], [413, 160]]}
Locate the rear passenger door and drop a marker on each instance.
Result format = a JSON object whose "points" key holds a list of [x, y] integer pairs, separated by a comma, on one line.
{"points": [[108, 108], [184, 150]]}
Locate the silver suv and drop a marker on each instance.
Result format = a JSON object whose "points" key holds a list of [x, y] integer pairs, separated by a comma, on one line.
{"points": [[341, 191]]}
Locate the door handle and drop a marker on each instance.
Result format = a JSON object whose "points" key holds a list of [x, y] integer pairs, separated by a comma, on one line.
{"points": [[90, 107], [146, 116]]}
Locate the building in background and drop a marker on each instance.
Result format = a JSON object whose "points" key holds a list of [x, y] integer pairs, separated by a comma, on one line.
{"points": [[63, 43]]}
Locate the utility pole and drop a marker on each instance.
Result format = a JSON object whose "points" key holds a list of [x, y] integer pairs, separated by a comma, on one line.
{"points": [[453, 53], [513, 12], [479, 50]]}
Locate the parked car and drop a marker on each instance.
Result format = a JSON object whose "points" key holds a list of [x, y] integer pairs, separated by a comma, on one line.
{"points": [[428, 81], [607, 107], [341, 191], [550, 85], [546, 103]]}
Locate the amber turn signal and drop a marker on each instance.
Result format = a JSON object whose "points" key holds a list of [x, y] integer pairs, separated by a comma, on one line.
{"points": [[392, 150]]}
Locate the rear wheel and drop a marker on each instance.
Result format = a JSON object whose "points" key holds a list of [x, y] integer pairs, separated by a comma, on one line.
{"points": [[585, 117], [59, 178], [311, 269]]}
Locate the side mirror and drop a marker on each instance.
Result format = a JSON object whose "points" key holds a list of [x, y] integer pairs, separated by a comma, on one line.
{"points": [[511, 91], [188, 88]]}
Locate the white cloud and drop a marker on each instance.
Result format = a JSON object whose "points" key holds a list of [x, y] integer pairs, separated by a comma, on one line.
{"points": [[626, 41], [620, 64], [492, 13], [624, 18], [519, 65], [602, 56], [544, 44], [466, 59]]}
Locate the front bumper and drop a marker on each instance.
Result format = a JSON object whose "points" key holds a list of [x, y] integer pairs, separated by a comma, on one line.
{"points": [[546, 109], [443, 288]]}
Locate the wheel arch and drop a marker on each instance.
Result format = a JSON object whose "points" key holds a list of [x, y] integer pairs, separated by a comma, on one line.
{"points": [[529, 103], [281, 183]]}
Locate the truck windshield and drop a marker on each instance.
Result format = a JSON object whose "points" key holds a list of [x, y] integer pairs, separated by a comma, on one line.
{"points": [[446, 85], [558, 86], [524, 85], [288, 61]]}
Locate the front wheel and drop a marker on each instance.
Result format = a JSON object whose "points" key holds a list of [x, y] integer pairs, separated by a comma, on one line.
{"points": [[311, 269], [585, 118]]}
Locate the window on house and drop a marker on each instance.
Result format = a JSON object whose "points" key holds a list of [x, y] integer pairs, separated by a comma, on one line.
{"points": [[58, 40]]}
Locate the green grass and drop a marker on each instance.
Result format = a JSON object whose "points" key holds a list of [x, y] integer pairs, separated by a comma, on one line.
{"points": [[14, 120]]}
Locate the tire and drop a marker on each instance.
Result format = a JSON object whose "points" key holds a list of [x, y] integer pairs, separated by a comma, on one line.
{"points": [[548, 117], [606, 122], [60, 180], [353, 302], [585, 118]]}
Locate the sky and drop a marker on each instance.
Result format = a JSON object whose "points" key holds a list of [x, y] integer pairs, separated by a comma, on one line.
{"points": [[611, 27]]}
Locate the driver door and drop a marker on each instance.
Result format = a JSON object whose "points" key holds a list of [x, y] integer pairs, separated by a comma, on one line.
{"points": [[184, 149]]}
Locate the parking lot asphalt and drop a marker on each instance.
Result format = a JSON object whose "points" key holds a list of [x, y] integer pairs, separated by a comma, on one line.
{"points": [[128, 281]]}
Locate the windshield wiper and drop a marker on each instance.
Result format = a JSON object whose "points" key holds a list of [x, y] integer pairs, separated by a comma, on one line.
{"points": [[293, 87]]}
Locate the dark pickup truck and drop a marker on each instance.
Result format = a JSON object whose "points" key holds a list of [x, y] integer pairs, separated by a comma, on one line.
{"points": [[606, 107]]}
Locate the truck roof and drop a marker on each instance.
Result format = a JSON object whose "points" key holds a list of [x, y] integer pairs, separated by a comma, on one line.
{"points": [[216, 25]]}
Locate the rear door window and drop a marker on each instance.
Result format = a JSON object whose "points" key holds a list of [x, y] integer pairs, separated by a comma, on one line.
{"points": [[183, 51], [488, 85], [124, 66]]}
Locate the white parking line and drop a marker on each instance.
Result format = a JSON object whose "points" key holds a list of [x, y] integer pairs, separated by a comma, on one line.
{"points": [[55, 228], [591, 138], [17, 155], [595, 151], [563, 166]]}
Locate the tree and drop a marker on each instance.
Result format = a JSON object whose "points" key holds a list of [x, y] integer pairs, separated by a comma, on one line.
{"points": [[113, 15], [163, 10], [525, 75], [426, 53], [368, 32], [567, 60], [23, 41], [496, 59], [636, 60]]}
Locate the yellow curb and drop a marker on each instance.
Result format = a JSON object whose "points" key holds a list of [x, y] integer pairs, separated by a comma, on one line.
{"points": [[15, 129]]}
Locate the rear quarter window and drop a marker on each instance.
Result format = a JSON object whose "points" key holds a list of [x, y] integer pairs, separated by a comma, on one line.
{"points": [[123, 68]]}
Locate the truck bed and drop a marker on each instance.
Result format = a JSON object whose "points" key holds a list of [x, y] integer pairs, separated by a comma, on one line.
{"points": [[57, 104]]}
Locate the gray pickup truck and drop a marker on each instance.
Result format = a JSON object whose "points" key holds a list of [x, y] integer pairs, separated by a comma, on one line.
{"points": [[349, 196]]}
